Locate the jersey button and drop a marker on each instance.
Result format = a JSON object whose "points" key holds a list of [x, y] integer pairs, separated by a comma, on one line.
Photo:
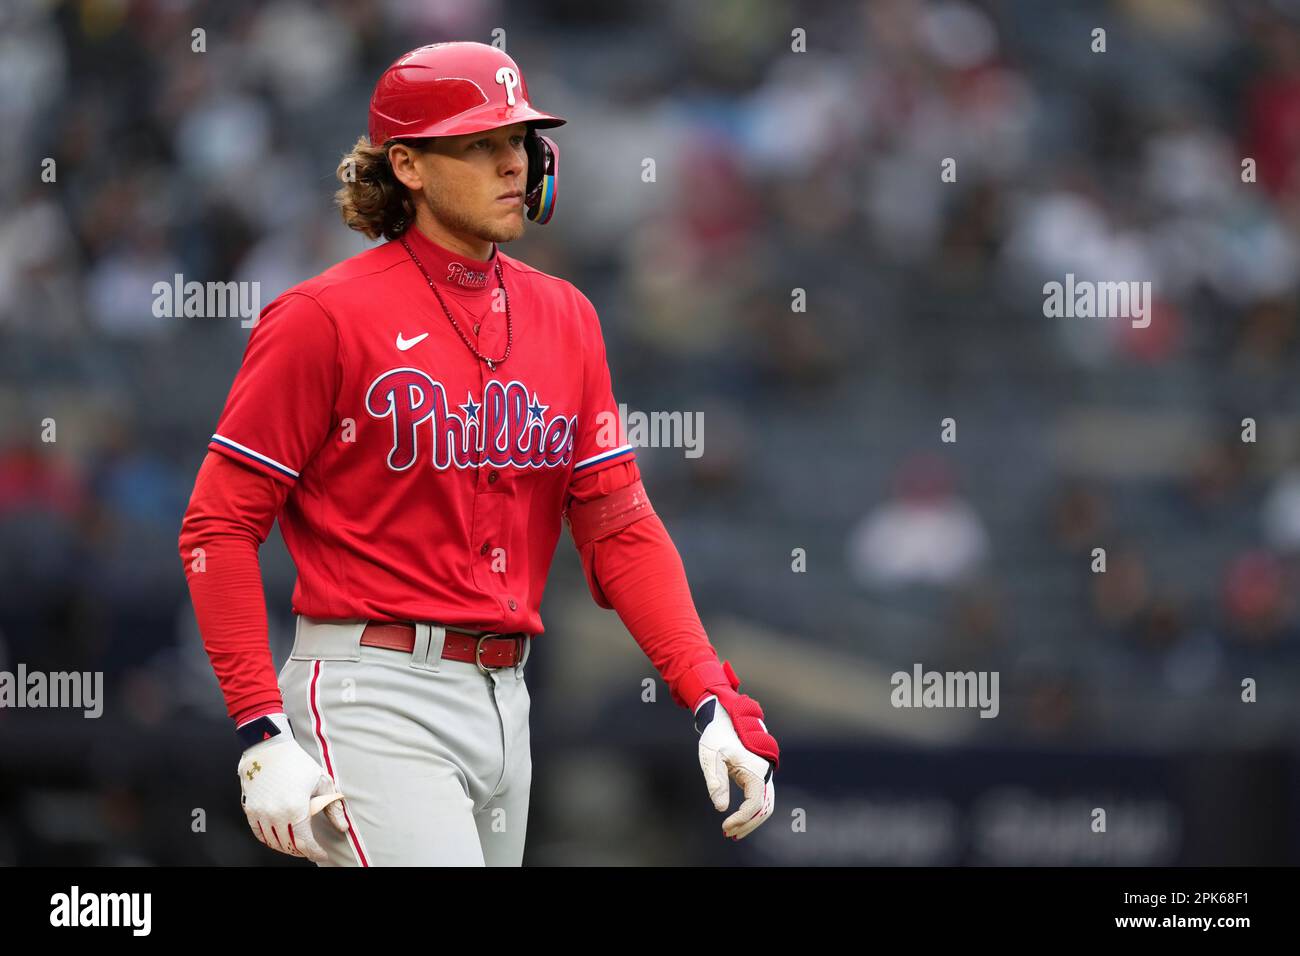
{"points": [[484, 549], [476, 328], [513, 605], [492, 477]]}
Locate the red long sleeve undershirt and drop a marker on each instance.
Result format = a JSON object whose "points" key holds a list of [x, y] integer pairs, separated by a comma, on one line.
{"points": [[230, 514], [635, 571]]}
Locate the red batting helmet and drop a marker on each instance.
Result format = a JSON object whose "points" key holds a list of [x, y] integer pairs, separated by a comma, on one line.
{"points": [[450, 89]]}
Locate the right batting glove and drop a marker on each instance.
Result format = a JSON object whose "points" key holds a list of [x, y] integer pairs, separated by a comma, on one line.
{"points": [[282, 788]]}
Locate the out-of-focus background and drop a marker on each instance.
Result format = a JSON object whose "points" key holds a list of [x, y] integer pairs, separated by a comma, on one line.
{"points": [[831, 537]]}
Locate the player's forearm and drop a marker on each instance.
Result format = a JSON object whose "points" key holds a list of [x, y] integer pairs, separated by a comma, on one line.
{"points": [[231, 611], [640, 572], [224, 525]]}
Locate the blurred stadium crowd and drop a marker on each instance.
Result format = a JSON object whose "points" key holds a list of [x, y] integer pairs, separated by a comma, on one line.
{"points": [[775, 171]]}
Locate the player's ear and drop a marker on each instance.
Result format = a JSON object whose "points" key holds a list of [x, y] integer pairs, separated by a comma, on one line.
{"points": [[403, 159]]}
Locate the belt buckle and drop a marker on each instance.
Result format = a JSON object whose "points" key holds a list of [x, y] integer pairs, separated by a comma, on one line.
{"points": [[478, 651]]}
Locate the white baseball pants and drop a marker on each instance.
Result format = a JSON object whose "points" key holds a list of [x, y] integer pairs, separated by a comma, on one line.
{"points": [[432, 756]]}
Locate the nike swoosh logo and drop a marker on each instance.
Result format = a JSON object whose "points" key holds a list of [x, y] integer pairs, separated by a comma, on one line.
{"points": [[404, 344]]}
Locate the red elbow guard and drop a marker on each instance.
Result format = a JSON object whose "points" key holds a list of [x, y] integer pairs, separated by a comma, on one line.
{"points": [[589, 520]]}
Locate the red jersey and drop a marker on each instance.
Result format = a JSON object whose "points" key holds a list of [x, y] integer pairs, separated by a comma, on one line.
{"points": [[423, 484]]}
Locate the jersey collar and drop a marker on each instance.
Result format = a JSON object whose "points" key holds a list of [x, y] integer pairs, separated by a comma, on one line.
{"points": [[450, 271]]}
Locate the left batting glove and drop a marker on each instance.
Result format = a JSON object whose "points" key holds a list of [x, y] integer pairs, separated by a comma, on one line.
{"points": [[727, 752]]}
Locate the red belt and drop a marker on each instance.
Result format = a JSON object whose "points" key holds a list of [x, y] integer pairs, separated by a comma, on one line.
{"points": [[483, 649]]}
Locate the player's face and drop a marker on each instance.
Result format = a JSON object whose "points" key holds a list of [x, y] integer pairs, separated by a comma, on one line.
{"points": [[474, 184]]}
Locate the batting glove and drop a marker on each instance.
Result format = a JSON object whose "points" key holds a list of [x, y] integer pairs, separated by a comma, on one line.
{"points": [[724, 757], [282, 789]]}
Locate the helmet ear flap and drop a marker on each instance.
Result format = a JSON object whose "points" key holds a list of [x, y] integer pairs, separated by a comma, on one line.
{"points": [[543, 176]]}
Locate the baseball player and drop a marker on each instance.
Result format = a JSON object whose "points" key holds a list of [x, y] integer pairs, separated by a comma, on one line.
{"points": [[420, 418]]}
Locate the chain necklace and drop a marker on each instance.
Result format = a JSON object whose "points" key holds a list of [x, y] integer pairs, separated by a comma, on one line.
{"points": [[491, 363]]}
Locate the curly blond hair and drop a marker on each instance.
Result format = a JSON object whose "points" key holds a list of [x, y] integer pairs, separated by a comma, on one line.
{"points": [[371, 199]]}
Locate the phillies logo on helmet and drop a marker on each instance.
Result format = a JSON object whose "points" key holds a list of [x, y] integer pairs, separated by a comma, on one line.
{"points": [[505, 429], [510, 79]]}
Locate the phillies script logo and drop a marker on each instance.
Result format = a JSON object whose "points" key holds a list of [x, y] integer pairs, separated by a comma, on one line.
{"points": [[505, 428], [463, 275]]}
